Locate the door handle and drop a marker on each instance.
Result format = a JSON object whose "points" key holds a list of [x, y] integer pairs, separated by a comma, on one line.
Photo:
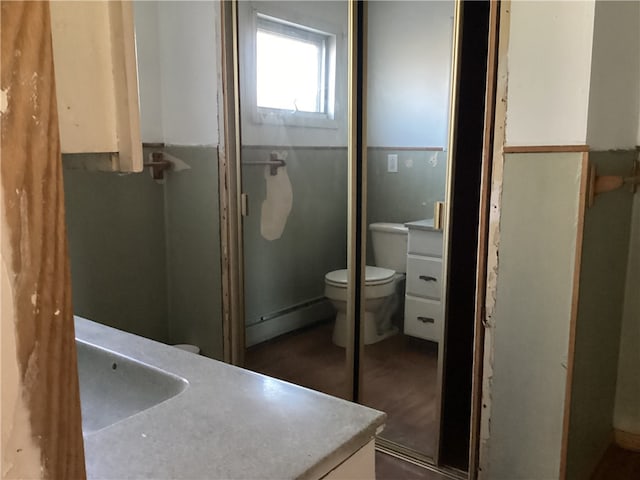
{"points": [[426, 320], [427, 278]]}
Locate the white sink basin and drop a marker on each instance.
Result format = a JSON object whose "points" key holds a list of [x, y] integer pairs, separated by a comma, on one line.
{"points": [[114, 387]]}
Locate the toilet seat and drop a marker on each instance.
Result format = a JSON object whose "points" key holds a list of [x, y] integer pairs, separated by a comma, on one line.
{"points": [[373, 276]]}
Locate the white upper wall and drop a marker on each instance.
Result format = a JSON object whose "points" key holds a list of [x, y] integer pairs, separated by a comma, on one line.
{"points": [[149, 78], [549, 64], [189, 61], [178, 60], [614, 100], [409, 70]]}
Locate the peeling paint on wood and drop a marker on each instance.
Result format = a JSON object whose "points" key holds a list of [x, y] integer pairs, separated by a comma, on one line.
{"points": [[494, 239], [41, 425]]}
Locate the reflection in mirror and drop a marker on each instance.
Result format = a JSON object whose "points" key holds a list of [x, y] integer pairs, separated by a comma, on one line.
{"points": [[293, 93], [145, 253], [409, 57]]}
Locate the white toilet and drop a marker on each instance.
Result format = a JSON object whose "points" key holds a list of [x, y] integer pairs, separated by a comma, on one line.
{"points": [[381, 300]]}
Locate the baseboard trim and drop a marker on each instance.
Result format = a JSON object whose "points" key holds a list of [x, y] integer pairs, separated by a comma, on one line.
{"points": [[627, 440], [289, 321]]}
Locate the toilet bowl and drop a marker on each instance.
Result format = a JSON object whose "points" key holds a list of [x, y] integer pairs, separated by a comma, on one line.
{"points": [[381, 283], [380, 302]]}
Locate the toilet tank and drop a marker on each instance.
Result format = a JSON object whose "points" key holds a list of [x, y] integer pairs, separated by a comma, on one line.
{"points": [[390, 245]]}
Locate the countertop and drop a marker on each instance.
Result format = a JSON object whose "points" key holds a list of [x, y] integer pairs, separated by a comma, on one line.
{"points": [[229, 423], [422, 225]]}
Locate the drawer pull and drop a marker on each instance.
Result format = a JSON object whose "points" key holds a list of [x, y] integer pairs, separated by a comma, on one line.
{"points": [[426, 319], [427, 278]]}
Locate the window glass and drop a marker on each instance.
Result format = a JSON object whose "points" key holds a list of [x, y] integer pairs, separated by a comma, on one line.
{"points": [[290, 68]]}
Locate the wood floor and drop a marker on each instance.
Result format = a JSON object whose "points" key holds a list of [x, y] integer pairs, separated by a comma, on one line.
{"points": [[618, 464], [399, 377]]}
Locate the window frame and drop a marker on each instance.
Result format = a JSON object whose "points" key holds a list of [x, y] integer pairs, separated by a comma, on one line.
{"points": [[326, 118]]}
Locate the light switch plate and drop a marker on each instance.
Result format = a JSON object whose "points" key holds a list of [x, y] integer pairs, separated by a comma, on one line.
{"points": [[392, 163]]}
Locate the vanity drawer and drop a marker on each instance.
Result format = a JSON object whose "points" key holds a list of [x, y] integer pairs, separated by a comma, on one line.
{"points": [[425, 242], [423, 318], [424, 276]]}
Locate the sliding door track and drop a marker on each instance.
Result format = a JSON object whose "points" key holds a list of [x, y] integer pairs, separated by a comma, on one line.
{"points": [[411, 456]]}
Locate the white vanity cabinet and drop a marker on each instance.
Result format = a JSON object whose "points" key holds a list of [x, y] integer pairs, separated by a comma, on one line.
{"points": [[423, 311], [96, 82]]}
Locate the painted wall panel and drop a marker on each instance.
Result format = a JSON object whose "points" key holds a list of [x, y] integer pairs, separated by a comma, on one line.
{"points": [[549, 65], [115, 226], [614, 99], [193, 250], [627, 407], [597, 339], [531, 322]]}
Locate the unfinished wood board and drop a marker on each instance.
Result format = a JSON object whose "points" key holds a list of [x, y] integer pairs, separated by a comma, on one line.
{"points": [[483, 236], [41, 424], [628, 441], [545, 148], [540, 218]]}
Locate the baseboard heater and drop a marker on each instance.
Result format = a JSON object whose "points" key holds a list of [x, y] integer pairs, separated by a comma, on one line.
{"points": [[289, 319]]}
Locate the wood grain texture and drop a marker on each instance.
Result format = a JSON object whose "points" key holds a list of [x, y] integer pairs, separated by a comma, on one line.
{"points": [[618, 464], [545, 148], [33, 199], [627, 440], [575, 296]]}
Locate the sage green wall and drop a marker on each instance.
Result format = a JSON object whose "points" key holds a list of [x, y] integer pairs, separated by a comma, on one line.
{"points": [[290, 270], [145, 256], [409, 194], [115, 227], [193, 250], [532, 314], [601, 297], [627, 411]]}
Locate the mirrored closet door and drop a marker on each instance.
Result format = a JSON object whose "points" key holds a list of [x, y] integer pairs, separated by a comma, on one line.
{"points": [[333, 176], [409, 55], [293, 158]]}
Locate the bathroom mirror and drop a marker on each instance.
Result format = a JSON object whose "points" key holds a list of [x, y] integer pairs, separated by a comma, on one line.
{"points": [[408, 85], [293, 93], [145, 253], [294, 161]]}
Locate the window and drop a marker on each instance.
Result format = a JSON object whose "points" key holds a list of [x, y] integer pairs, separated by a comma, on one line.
{"points": [[295, 70]]}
